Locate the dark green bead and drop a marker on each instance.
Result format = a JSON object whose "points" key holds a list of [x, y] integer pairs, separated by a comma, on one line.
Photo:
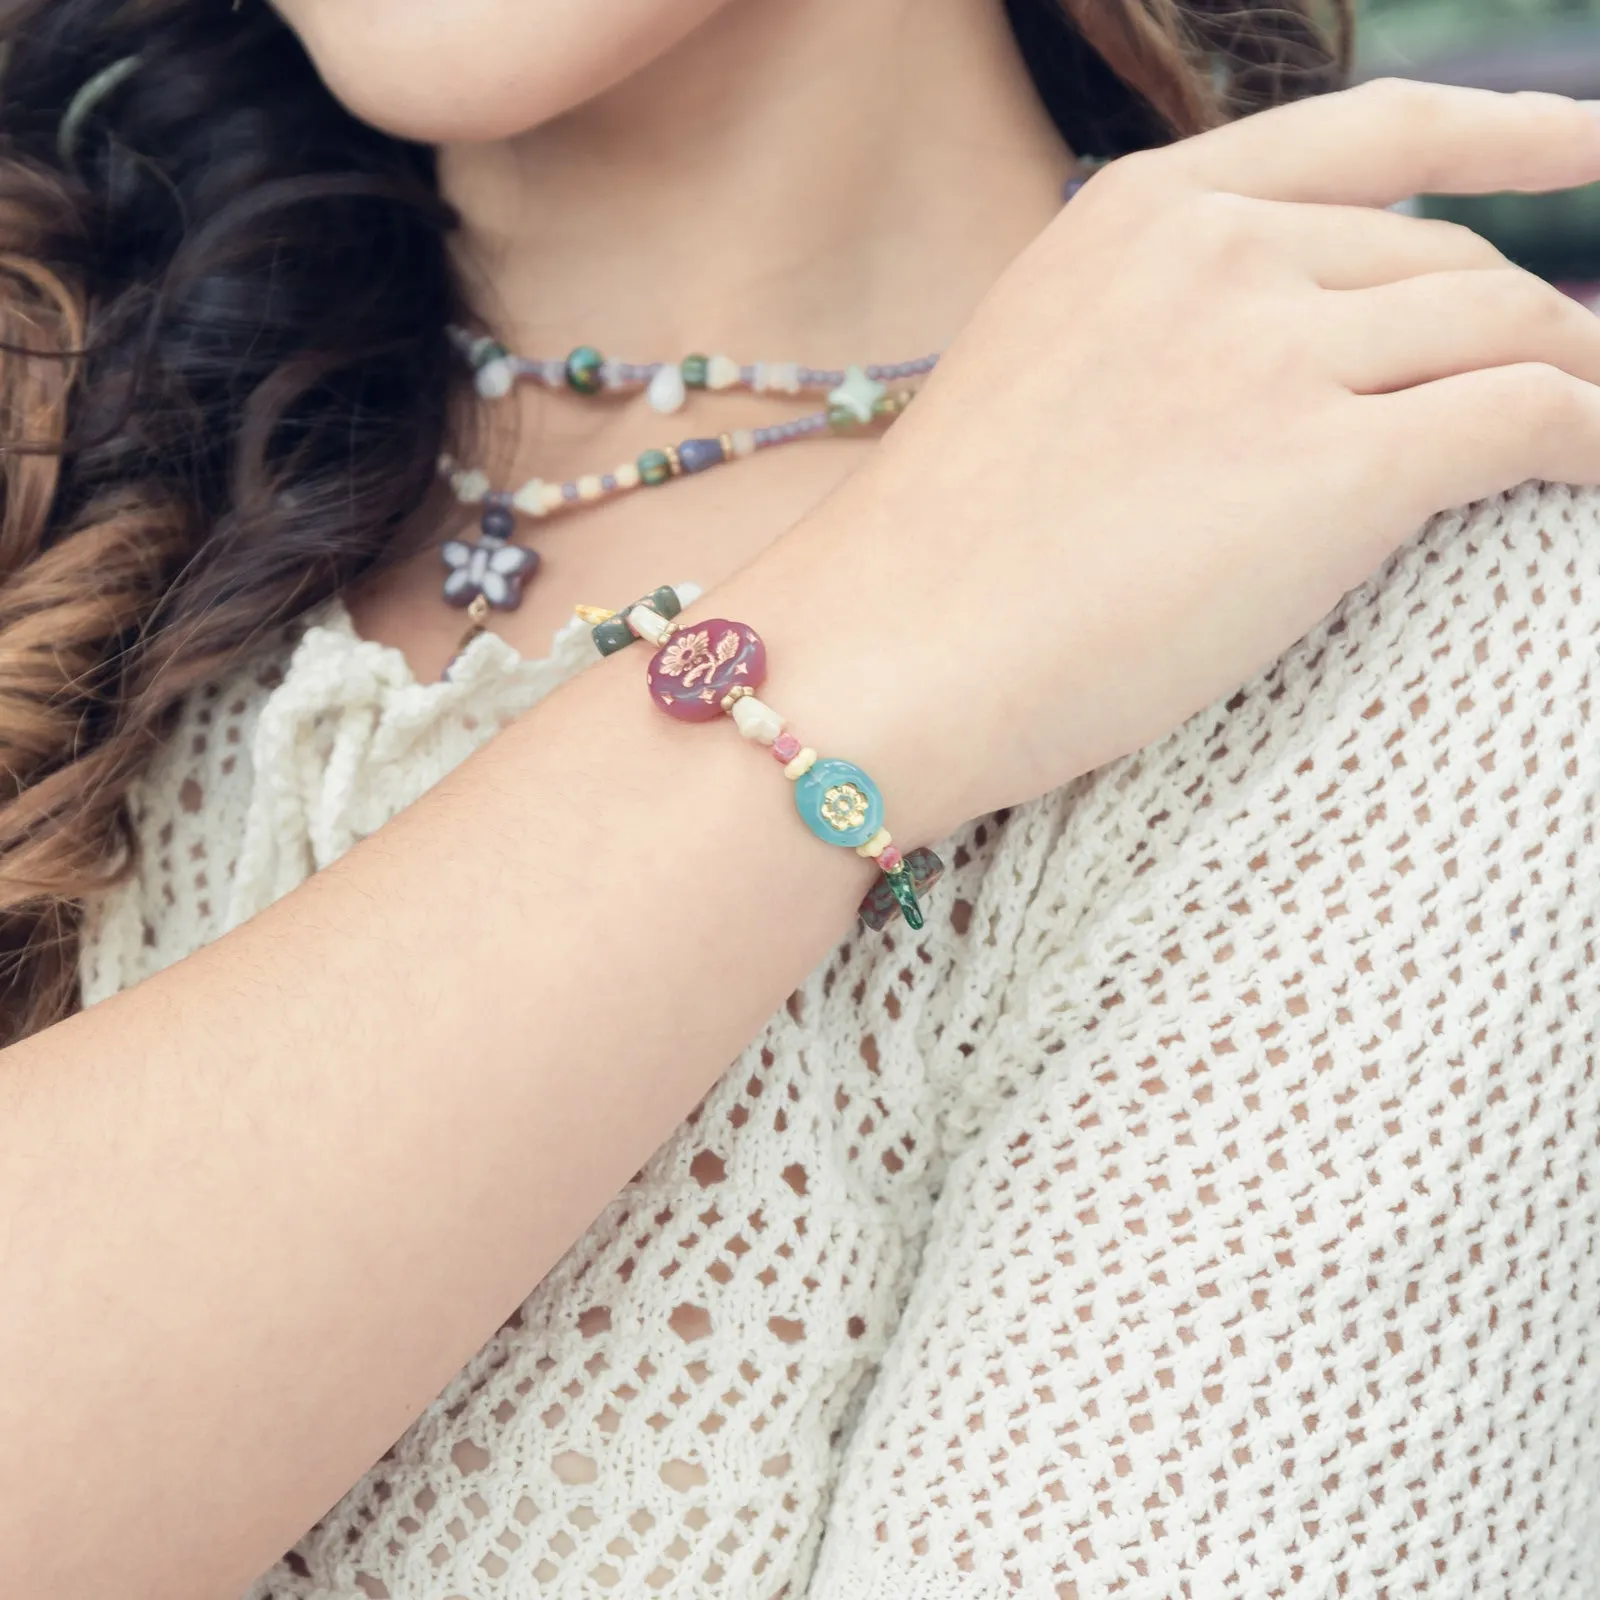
{"points": [[612, 635], [693, 369], [842, 419], [583, 369], [654, 466], [905, 894], [665, 602]]}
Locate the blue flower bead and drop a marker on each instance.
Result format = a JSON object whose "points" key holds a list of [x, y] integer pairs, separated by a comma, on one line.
{"points": [[839, 803]]}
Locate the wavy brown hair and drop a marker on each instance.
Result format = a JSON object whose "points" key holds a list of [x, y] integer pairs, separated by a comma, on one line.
{"points": [[225, 376]]}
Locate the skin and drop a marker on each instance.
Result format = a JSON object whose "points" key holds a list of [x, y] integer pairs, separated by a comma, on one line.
{"points": [[1214, 344]]}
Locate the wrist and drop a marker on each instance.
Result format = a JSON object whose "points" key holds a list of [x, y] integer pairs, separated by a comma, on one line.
{"points": [[843, 670]]}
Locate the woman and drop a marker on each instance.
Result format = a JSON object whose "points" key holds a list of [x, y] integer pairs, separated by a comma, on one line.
{"points": [[1200, 1202]]}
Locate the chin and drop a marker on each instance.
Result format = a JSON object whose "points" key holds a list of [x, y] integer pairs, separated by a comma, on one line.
{"points": [[473, 71]]}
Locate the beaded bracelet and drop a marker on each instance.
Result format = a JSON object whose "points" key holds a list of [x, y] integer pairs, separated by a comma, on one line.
{"points": [[712, 668]]}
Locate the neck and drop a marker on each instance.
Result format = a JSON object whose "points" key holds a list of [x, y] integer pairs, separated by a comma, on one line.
{"points": [[819, 180]]}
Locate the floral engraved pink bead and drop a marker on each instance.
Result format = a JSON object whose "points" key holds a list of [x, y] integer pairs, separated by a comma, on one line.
{"points": [[698, 665]]}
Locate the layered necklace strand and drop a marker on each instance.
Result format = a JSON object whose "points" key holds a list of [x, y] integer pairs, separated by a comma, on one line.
{"points": [[491, 572]]}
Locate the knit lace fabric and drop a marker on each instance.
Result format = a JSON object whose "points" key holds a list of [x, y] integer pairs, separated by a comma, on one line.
{"points": [[1204, 1204]]}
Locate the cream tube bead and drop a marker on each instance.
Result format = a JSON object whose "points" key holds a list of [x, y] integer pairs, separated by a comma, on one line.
{"points": [[589, 487], [801, 764], [876, 845], [756, 719], [648, 624]]}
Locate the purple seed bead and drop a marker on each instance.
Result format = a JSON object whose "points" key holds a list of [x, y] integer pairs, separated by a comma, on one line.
{"points": [[569, 492], [498, 523], [695, 455], [608, 482], [747, 376]]}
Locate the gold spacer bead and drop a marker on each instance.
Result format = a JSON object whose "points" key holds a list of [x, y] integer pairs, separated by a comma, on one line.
{"points": [[739, 692], [479, 609], [593, 615], [674, 465], [726, 441]]}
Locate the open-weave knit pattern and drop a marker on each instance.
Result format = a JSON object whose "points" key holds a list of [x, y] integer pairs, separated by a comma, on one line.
{"points": [[1204, 1203]]}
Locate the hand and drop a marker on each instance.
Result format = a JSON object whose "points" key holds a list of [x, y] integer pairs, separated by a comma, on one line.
{"points": [[1213, 396]]}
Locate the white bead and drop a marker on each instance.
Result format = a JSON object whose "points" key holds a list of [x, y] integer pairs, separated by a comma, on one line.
{"points": [[722, 372], [757, 720], [779, 377], [667, 392], [801, 764], [648, 624], [589, 488], [627, 475], [744, 442], [495, 379], [471, 487], [551, 497], [529, 499]]}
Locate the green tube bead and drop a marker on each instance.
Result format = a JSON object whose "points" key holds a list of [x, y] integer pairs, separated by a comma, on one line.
{"points": [[693, 369], [664, 602], [612, 635], [583, 370]]}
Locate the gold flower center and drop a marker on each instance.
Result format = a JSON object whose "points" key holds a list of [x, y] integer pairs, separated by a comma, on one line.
{"points": [[844, 807]]}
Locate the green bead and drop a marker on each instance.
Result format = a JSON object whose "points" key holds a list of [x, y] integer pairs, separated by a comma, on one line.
{"points": [[583, 369], [612, 635], [664, 602], [693, 369], [904, 891], [654, 466], [842, 419]]}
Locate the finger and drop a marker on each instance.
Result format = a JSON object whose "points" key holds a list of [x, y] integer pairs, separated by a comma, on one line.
{"points": [[1478, 433], [1391, 138], [1435, 326], [1356, 247]]}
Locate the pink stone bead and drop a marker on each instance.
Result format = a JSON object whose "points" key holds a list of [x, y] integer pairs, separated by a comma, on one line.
{"points": [[785, 748], [889, 857], [700, 663]]}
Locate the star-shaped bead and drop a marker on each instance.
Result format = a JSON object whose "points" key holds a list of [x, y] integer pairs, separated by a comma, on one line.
{"points": [[857, 394]]}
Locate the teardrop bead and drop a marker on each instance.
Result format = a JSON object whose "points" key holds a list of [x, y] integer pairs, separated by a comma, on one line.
{"points": [[667, 391]]}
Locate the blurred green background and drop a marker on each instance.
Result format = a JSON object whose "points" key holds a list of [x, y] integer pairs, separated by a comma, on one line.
{"points": [[1502, 44]]}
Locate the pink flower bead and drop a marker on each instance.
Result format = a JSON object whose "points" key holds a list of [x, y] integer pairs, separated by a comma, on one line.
{"points": [[889, 857], [785, 748], [692, 672]]}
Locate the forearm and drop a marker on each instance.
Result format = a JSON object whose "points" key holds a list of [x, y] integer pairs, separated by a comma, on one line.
{"points": [[259, 1209]]}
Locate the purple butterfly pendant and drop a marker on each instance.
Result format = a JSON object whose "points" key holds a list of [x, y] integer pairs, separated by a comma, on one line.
{"points": [[491, 567]]}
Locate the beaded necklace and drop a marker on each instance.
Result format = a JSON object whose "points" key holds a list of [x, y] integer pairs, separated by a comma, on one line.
{"points": [[491, 572]]}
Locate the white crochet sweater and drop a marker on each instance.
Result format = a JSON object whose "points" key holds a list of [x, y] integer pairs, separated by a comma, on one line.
{"points": [[1205, 1204]]}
